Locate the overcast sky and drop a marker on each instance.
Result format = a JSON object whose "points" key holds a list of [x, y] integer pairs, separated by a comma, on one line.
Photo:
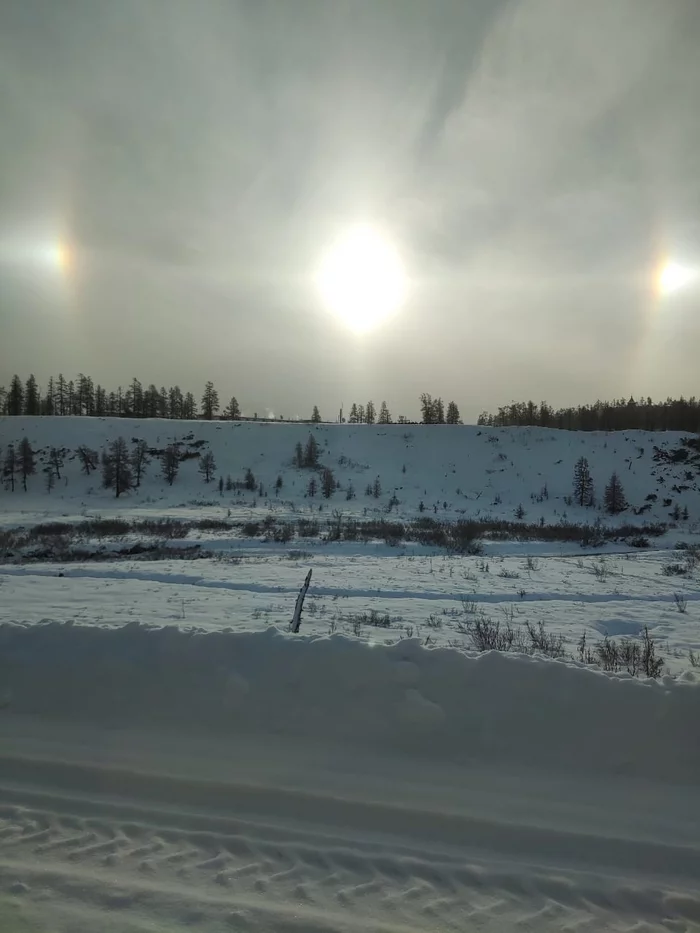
{"points": [[532, 160]]}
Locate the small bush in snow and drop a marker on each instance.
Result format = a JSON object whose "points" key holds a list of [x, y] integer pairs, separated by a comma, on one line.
{"points": [[681, 602]]}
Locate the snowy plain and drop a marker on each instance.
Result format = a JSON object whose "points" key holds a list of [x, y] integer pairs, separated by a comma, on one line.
{"points": [[171, 757]]}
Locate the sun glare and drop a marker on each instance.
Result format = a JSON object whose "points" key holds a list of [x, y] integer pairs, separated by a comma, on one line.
{"points": [[361, 279], [672, 277], [59, 256]]}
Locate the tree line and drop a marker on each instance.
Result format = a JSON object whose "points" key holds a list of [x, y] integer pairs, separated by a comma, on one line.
{"points": [[82, 396], [619, 415]]}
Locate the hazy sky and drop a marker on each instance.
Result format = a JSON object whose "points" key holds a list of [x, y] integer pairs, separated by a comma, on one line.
{"points": [[532, 160]]}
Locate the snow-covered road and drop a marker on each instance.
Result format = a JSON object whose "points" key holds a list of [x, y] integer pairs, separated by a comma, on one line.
{"points": [[146, 832]]}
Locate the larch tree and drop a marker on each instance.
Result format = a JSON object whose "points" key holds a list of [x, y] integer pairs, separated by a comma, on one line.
{"points": [[384, 414], [207, 466], [370, 413], [352, 417], [139, 461], [614, 495], [56, 461], [175, 402], [26, 461], [452, 416], [210, 401], [170, 463], [327, 483], [9, 466], [47, 404], [32, 403], [189, 407], [583, 483], [311, 452], [60, 398], [89, 459], [116, 467], [15, 397], [233, 411], [316, 415], [427, 408]]}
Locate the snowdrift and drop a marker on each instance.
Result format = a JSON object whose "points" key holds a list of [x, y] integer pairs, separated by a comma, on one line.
{"points": [[439, 704]]}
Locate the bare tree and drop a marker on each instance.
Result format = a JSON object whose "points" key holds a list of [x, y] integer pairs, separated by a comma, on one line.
{"points": [[9, 466], [207, 466], [89, 459], [139, 460], [170, 463], [327, 483], [116, 467], [27, 461], [56, 461]]}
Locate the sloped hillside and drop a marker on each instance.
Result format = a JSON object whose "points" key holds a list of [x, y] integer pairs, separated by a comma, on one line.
{"points": [[452, 471]]}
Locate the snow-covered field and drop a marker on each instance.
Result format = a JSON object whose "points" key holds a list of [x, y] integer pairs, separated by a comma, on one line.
{"points": [[170, 757], [373, 593], [454, 470]]}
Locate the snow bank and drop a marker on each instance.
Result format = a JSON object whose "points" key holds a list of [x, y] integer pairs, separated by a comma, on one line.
{"points": [[440, 703]]}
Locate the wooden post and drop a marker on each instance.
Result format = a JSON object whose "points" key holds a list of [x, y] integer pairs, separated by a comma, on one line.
{"points": [[296, 618]]}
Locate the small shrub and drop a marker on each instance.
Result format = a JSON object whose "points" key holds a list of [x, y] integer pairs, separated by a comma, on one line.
{"points": [[282, 533], [508, 574], [681, 602], [51, 529], [308, 528], [601, 571], [542, 642], [674, 570], [532, 564], [213, 524]]}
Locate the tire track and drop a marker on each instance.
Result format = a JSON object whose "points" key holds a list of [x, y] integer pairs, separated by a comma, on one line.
{"points": [[339, 882]]}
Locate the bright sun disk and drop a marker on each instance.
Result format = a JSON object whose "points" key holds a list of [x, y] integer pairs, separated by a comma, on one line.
{"points": [[672, 277], [361, 279]]}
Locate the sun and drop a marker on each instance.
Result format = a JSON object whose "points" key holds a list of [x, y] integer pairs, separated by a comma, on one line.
{"points": [[672, 277], [361, 278]]}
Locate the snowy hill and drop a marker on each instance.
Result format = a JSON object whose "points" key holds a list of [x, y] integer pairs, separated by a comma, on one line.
{"points": [[455, 471]]}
